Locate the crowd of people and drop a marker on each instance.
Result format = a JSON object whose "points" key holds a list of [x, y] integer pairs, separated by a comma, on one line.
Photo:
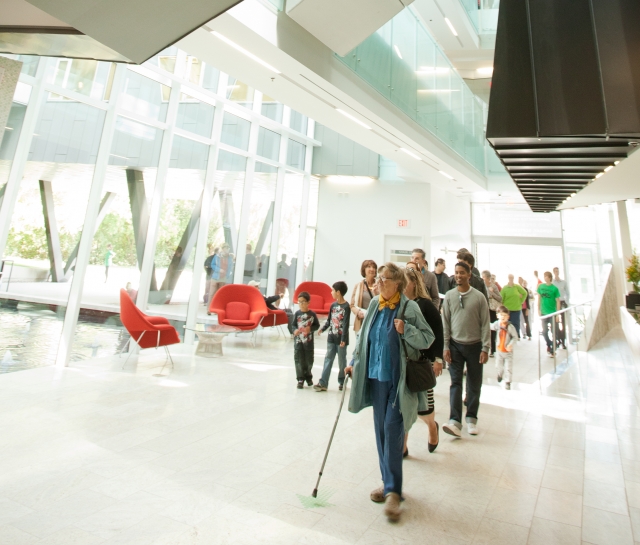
{"points": [[407, 315]]}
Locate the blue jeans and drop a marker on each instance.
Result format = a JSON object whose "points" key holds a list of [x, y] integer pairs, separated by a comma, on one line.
{"points": [[389, 427], [461, 354], [514, 318], [332, 350]]}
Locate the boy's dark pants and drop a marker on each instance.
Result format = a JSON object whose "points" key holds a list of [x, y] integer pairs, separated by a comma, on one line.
{"points": [[303, 357]]}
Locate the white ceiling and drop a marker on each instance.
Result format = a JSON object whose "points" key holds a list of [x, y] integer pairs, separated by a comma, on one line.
{"points": [[343, 24], [21, 13], [619, 184]]}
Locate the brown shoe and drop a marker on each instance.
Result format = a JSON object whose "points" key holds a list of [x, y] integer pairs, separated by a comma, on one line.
{"points": [[392, 507], [377, 495]]}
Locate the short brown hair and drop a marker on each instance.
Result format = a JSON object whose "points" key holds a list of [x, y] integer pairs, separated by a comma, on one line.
{"points": [[468, 258], [367, 263], [419, 251], [503, 310], [396, 275], [548, 274]]}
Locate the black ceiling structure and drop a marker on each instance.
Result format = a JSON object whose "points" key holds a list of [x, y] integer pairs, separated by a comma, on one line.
{"points": [[565, 95]]}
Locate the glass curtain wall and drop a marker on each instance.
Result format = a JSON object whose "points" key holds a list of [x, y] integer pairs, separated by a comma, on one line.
{"points": [[142, 136], [404, 63]]}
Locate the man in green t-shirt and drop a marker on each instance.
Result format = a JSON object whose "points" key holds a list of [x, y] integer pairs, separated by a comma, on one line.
{"points": [[513, 295], [548, 303]]}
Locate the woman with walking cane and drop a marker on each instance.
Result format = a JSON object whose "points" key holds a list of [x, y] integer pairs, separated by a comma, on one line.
{"points": [[393, 333]]}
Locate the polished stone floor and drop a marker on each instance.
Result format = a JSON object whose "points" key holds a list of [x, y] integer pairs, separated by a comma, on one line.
{"points": [[227, 450]]}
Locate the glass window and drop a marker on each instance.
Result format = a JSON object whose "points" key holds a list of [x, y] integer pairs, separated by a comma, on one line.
{"points": [[490, 219], [178, 230], [298, 122], [289, 237], [210, 76], [166, 59], [272, 109], [235, 131], [145, 96], [295, 154], [240, 93], [9, 141], [45, 230], [268, 144], [89, 78], [135, 144], [195, 116], [312, 222], [258, 251], [222, 236], [29, 63]]}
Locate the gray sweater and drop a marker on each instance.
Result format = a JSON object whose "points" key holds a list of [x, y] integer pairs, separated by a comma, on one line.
{"points": [[467, 324]]}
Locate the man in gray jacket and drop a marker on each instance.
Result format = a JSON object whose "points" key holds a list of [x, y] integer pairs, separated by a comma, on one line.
{"points": [[467, 339]]}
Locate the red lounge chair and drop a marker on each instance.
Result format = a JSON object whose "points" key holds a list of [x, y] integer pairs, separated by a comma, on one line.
{"points": [[276, 318], [321, 298], [239, 306], [146, 331]]}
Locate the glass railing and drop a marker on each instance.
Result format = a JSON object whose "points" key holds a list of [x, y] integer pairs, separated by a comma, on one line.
{"points": [[483, 14], [403, 63]]}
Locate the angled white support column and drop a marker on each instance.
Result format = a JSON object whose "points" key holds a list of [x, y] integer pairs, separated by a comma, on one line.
{"points": [[12, 187], [203, 229], [148, 259], [90, 220]]}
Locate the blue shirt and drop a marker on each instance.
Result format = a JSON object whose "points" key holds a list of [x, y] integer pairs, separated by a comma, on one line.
{"points": [[384, 346]]}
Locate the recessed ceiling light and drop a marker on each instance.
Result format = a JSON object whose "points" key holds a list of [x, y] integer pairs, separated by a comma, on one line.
{"points": [[600, 174], [411, 154], [397, 51], [608, 168], [616, 162], [438, 90], [573, 194], [453, 30], [354, 119], [485, 70], [244, 51]]}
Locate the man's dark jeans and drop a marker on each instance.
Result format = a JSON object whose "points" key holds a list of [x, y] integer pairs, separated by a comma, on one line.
{"points": [[461, 354], [492, 318]]}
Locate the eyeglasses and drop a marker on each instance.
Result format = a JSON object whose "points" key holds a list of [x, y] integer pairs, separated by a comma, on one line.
{"points": [[461, 303], [382, 279]]}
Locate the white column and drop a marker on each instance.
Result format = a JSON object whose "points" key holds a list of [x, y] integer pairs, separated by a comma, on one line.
{"points": [[625, 240], [245, 211], [203, 226], [158, 196], [16, 173], [277, 209], [89, 225]]}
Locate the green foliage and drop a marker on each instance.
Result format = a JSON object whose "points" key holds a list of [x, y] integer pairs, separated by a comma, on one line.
{"points": [[633, 272], [32, 244], [117, 231]]}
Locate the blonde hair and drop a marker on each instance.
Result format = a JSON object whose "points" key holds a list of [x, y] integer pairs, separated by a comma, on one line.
{"points": [[414, 276], [396, 274]]}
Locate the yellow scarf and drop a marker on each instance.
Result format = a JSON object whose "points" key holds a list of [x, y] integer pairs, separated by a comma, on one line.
{"points": [[391, 303]]}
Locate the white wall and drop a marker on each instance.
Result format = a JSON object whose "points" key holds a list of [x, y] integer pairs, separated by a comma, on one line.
{"points": [[354, 220], [450, 225]]}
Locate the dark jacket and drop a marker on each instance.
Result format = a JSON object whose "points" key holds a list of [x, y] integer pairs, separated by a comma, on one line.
{"points": [[475, 281], [432, 316]]}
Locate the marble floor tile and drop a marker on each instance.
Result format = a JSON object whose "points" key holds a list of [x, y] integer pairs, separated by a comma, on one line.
{"points": [[547, 532], [564, 479], [512, 507], [603, 472], [559, 506], [521, 478], [494, 532], [606, 528], [605, 496]]}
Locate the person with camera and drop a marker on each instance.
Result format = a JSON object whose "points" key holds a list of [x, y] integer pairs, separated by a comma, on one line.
{"points": [[392, 334]]}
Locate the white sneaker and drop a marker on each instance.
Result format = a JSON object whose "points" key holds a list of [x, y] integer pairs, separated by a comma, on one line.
{"points": [[472, 428], [451, 429]]}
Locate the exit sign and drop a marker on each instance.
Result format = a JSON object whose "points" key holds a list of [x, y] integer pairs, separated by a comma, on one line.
{"points": [[404, 223]]}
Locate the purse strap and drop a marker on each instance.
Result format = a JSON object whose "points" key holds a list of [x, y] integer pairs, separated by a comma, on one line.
{"points": [[402, 336]]}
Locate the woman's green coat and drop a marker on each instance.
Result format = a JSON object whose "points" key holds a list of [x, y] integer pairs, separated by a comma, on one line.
{"points": [[417, 336]]}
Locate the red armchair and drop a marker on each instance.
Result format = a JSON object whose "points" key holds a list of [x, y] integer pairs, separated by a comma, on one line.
{"points": [[146, 331], [239, 306], [321, 298]]}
